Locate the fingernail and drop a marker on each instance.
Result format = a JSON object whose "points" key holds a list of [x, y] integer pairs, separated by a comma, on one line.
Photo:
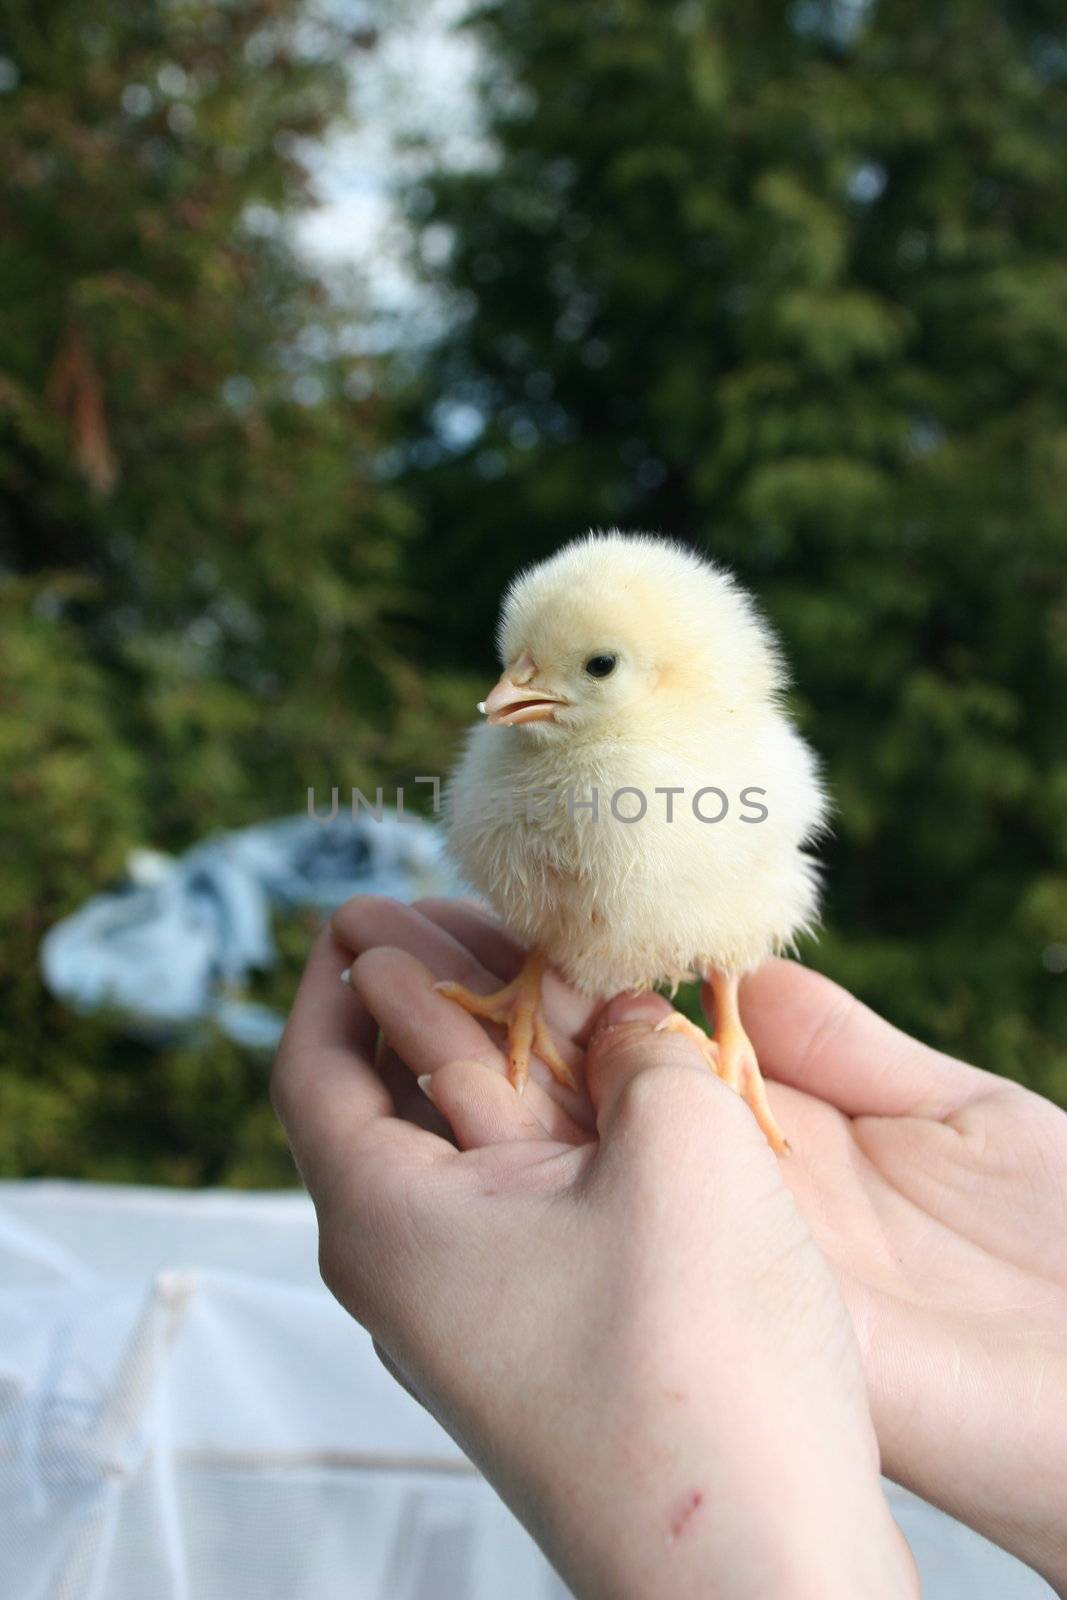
{"points": [[632, 1008], [425, 1083], [346, 976]]}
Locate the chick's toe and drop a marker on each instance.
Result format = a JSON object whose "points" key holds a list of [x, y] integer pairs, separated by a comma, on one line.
{"points": [[517, 1007]]}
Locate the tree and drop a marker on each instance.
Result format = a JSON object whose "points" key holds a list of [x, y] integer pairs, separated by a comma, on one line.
{"points": [[788, 280], [198, 571]]}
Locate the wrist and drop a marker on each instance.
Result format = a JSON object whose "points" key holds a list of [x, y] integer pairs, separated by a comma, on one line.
{"points": [[675, 1507], [626, 1550]]}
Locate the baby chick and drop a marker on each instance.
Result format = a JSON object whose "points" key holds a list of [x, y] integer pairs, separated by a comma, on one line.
{"points": [[637, 804]]}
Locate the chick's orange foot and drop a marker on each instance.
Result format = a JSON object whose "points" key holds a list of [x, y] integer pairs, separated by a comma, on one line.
{"points": [[517, 1007], [731, 1057]]}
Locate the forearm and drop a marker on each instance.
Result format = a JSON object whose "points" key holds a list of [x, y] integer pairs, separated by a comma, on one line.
{"points": [[985, 1438], [656, 1501], [756, 1553]]}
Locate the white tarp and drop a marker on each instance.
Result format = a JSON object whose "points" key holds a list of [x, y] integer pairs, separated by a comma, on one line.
{"points": [[186, 1414], [175, 943]]}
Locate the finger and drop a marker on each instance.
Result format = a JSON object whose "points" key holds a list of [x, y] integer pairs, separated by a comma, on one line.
{"points": [[366, 921], [627, 1067], [327, 1037], [476, 928], [323, 1083], [480, 1105], [370, 920], [411, 1103], [478, 931], [809, 1032], [427, 1030]]}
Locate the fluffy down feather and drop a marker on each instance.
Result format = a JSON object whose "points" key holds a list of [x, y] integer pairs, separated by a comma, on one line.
{"points": [[693, 702]]}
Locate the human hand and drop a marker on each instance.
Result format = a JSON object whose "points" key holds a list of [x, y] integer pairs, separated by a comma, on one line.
{"points": [[631, 1331], [938, 1193]]}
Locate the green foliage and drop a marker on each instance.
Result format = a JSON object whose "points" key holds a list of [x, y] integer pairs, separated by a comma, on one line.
{"points": [[199, 579], [788, 280]]}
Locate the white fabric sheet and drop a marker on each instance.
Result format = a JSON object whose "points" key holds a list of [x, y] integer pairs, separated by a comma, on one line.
{"points": [[186, 1414]]}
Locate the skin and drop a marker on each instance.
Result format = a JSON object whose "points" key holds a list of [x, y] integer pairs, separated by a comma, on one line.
{"points": [[609, 1298], [936, 1192]]}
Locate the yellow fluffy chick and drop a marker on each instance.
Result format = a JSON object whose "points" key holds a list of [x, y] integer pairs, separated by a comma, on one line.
{"points": [[637, 804]]}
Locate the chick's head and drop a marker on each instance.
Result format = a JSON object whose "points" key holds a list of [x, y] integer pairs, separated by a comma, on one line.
{"points": [[616, 632]]}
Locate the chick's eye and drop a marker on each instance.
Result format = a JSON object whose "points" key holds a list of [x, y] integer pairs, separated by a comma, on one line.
{"points": [[600, 666]]}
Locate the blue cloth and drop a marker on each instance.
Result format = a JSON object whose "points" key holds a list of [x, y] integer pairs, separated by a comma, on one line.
{"points": [[171, 946]]}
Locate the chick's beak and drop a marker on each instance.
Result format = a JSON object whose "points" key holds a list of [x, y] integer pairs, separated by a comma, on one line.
{"points": [[516, 698]]}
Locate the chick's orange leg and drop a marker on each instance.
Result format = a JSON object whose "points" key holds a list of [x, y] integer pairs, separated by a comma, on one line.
{"points": [[737, 1059], [517, 1007], [730, 1055]]}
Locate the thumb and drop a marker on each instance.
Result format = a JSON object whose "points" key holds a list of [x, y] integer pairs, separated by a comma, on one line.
{"points": [[634, 1071]]}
